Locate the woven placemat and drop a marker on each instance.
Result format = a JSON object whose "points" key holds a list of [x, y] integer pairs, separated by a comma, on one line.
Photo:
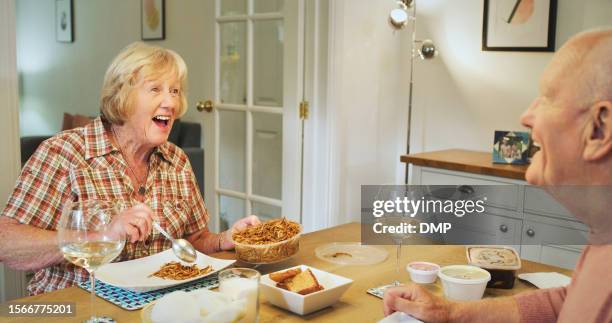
{"points": [[130, 300]]}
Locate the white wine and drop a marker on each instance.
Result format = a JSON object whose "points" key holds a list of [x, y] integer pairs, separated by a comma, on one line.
{"points": [[92, 254]]}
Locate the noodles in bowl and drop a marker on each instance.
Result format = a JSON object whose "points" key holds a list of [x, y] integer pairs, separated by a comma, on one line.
{"points": [[176, 271], [268, 242]]}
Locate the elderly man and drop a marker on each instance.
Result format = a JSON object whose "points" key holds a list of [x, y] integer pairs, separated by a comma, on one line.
{"points": [[572, 122]]}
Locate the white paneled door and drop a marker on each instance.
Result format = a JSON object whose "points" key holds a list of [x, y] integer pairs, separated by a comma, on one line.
{"points": [[253, 131]]}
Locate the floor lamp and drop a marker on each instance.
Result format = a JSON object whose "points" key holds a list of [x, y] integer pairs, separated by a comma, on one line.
{"points": [[398, 19]]}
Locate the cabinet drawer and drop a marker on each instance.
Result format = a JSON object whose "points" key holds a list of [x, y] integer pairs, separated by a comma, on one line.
{"points": [[554, 255], [552, 244], [539, 201], [482, 229], [498, 193]]}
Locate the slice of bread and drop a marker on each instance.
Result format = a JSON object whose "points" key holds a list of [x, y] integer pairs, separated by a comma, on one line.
{"points": [[303, 283], [284, 275]]}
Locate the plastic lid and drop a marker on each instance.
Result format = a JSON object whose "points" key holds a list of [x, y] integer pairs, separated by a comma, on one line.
{"points": [[493, 257], [351, 253], [444, 274]]}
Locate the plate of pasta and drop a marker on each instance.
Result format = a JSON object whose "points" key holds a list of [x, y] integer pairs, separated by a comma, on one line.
{"points": [[158, 271]]}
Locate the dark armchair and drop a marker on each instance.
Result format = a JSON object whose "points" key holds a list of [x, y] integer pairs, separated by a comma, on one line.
{"points": [[186, 135]]}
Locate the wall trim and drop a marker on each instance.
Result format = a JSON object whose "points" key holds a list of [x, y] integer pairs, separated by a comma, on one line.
{"points": [[334, 86], [314, 199], [11, 282]]}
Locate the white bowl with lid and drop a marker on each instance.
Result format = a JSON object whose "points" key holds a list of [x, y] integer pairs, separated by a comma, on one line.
{"points": [[463, 282], [422, 272]]}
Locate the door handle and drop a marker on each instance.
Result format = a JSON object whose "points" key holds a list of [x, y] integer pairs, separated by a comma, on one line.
{"points": [[206, 105]]}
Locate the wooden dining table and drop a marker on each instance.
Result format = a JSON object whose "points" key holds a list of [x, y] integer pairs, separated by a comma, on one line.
{"points": [[354, 306]]}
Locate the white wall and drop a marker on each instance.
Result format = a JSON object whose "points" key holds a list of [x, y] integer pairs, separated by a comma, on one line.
{"points": [[368, 95], [67, 77], [466, 94], [460, 98]]}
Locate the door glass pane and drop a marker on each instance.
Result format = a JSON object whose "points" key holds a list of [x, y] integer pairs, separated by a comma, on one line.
{"points": [[232, 56], [232, 151], [266, 212], [267, 154], [231, 209], [268, 63], [233, 7], [262, 6]]}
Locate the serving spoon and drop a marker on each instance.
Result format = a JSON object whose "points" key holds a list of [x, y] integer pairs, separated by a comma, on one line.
{"points": [[181, 247]]}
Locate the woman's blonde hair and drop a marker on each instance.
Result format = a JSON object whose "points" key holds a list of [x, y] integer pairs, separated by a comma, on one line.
{"points": [[134, 63]]}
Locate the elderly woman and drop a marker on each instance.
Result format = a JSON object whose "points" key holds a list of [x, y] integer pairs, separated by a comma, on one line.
{"points": [[124, 156]]}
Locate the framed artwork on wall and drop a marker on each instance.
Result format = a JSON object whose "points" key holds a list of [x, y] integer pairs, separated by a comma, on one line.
{"points": [[519, 25], [64, 31], [152, 19]]}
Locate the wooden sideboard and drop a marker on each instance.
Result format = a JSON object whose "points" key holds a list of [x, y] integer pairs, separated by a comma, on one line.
{"points": [[523, 216]]}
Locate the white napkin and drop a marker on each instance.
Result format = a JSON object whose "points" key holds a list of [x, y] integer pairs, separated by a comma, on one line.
{"points": [[399, 317], [546, 280]]}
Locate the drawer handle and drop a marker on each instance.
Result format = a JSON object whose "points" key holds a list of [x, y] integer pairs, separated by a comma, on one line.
{"points": [[466, 189], [503, 228], [530, 232]]}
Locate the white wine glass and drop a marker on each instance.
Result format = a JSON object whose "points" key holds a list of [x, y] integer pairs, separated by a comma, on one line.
{"points": [[397, 219], [397, 239], [87, 238]]}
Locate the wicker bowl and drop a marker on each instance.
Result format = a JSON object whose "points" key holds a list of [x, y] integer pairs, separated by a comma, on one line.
{"points": [[268, 253]]}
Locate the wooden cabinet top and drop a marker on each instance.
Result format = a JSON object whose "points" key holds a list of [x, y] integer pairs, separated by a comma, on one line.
{"points": [[475, 162]]}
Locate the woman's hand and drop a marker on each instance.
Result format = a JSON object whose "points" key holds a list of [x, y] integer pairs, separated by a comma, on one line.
{"points": [[417, 301], [225, 241], [134, 222]]}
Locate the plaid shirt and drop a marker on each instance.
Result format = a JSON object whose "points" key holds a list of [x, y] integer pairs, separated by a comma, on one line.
{"points": [[83, 162]]}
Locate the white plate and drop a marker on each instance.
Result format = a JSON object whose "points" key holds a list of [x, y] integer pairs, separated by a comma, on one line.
{"points": [[134, 274]]}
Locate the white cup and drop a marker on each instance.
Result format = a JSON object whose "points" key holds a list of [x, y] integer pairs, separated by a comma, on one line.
{"points": [[242, 284], [462, 288]]}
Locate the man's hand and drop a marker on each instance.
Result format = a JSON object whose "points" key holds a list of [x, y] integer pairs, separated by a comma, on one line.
{"points": [[134, 222], [226, 239], [415, 300]]}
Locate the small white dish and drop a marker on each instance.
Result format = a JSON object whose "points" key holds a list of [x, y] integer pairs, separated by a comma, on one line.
{"points": [[134, 274], [420, 275], [460, 288], [333, 288]]}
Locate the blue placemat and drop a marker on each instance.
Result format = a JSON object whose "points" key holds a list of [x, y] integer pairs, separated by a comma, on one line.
{"points": [[130, 300]]}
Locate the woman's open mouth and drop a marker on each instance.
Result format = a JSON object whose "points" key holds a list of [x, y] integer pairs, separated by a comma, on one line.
{"points": [[161, 121]]}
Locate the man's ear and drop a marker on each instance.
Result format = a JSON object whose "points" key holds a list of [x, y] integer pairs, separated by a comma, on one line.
{"points": [[599, 131]]}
